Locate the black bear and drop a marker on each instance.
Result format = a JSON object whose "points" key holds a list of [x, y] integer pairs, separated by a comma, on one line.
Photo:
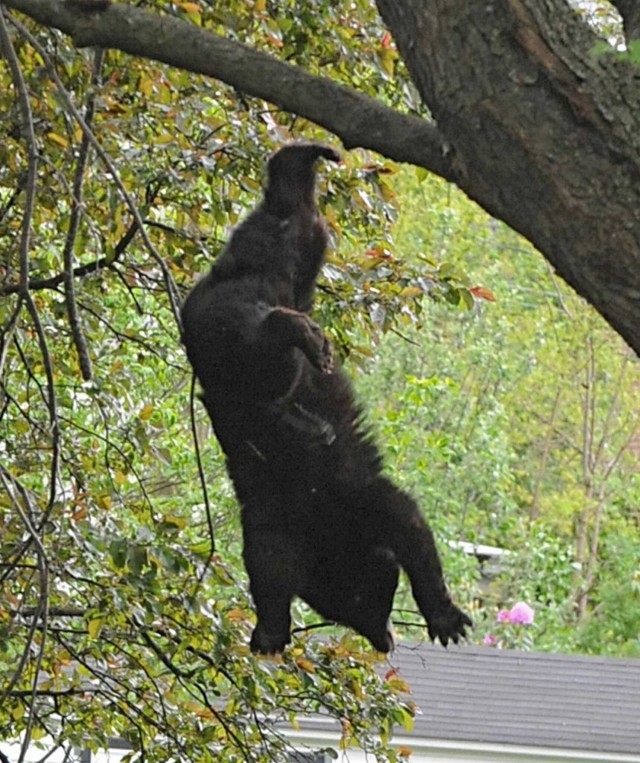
{"points": [[319, 519]]}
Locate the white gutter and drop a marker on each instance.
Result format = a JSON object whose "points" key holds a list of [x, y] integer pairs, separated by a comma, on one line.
{"points": [[445, 751]]}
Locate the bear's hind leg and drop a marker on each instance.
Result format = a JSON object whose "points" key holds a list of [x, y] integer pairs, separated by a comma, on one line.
{"points": [[273, 566], [394, 520]]}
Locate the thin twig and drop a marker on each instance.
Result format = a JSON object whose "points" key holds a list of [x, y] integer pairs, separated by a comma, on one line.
{"points": [[36, 284], [84, 358], [6, 337], [203, 481]]}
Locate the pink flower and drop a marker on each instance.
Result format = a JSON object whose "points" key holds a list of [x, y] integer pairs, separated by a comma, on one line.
{"points": [[504, 616], [520, 614], [489, 640]]}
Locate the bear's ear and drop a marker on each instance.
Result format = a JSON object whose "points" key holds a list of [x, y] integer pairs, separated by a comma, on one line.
{"points": [[327, 152], [310, 150], [301, 155]]}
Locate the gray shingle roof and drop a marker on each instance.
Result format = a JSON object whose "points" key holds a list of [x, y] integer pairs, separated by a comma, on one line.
{"points": [[489, 695]]}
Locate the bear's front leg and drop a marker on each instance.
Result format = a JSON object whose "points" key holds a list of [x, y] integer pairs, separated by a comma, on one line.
{"points": [[285, 326]]}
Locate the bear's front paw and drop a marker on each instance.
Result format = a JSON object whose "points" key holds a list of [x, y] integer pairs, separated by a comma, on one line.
{"points": [[318, 348], [325, 357]]}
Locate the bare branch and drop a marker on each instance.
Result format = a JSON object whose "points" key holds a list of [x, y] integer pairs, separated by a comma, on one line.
{"points": [[6, 336], [27, 130], [21, 693], [203, 481], [53, 282], [77, 333]]}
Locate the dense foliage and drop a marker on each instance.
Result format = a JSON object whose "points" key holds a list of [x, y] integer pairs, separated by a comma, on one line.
{"points": [[123, 603], [518, 426]]}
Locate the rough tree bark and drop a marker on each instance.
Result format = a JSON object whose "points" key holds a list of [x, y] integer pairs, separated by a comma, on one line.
{"points": [[528, 122]]}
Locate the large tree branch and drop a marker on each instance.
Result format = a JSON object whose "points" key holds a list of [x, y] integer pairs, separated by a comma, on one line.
{"points": [[358, 120]]}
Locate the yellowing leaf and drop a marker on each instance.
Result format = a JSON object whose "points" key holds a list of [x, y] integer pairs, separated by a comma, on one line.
{"points": [[399, 686], [120, 478], [81, 514], [58, 139], [332, 218], [388, 57], [94, 626], [388, 194], [146, 412], [275, 41], [305, 665], [411, 291], [17, 712], [356, 690], [260, 5], [369, 264], [178, 522], [481, 292], [363, 349], [146, 85], [237, 615]]}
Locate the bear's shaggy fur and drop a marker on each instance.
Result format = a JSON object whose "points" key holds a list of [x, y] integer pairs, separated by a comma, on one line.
{"points": [[319, 519]]}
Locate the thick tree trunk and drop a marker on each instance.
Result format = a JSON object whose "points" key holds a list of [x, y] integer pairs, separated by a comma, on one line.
{"points": [[544, 134]]}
